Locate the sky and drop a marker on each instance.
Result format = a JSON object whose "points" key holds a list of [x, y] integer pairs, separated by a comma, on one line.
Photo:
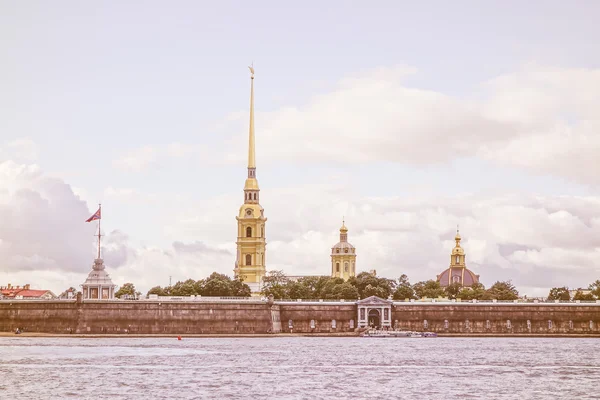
{"points": [[405, 118]]}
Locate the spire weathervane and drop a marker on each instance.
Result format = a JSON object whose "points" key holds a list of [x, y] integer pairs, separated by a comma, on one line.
{"points": [[251, 161]]}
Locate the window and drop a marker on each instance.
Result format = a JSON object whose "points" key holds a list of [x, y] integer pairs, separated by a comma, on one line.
{"points": [[457, 259], [425, 324], [345, 250], [312, 324], [445, 324], [248, 232], [528, 324], [262, 231], [467, 324], [337, 267], [487, 324], [291, 324], [333, 323], [455, 279], [549, 324], [351, 324], [337, 250], [591, 325], [254, 196], [570, 324], [508, 324], [345, 267], [248, 259]]}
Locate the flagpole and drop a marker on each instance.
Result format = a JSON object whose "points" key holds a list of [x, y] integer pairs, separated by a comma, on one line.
{"points": [[99, 231]]}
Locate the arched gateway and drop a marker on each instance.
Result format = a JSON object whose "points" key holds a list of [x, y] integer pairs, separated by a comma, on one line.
{"points": [[374, 311]]}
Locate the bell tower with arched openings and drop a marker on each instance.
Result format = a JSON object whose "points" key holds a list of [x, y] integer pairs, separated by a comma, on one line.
{"points": [[343, 257], [251, 242]]}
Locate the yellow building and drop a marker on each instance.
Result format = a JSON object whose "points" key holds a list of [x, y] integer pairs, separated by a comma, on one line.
{"points": [[251, 243], [343, 257], [458, 271]]}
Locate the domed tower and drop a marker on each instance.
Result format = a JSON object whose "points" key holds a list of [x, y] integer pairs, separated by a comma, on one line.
{"points": [[343, 257], [251, 242], [458, 271]]}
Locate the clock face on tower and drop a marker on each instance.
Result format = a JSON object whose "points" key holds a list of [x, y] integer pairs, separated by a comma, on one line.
{"points": [[249, 212]]}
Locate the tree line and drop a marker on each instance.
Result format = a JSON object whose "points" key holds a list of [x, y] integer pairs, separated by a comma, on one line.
{"points": [[563, 293], [216, 284], [365, 284]]}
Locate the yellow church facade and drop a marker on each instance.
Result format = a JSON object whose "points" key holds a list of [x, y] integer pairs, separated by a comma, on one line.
{"points": [[251, 241], [343, 257]]}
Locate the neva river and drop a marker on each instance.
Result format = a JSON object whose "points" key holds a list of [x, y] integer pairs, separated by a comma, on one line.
{"points": [[299, 368]]}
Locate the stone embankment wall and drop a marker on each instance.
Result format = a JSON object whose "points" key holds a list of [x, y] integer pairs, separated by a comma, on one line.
{"points": [[113, 317], [315, 317], [255, 316], [498, 318]]}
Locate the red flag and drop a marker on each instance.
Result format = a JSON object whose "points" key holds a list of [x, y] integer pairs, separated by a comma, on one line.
{"points": [[94, 217]]}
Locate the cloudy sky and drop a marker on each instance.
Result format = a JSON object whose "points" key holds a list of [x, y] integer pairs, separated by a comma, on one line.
{"points": [[405, 117]]}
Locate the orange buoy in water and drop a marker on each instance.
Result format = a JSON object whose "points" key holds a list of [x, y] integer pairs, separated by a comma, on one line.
{"points": [[178, 337]]}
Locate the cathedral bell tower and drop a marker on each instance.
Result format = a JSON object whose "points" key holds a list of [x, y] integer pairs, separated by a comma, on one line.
{"points": [[251, 242], [343, 257]]}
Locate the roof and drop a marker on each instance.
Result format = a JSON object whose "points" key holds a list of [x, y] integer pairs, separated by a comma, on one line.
{"points": [[25, 292]]}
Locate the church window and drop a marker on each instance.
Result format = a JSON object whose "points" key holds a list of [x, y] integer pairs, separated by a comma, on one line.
{"points": [[457, 258], [345, 250], [345, 267], [337, 250], [337, 267], [248, 259], [456, 279], [248, 232], [254, 196]]}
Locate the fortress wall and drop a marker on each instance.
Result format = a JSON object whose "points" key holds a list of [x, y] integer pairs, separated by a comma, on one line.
{"points": [[473, 318], [144, 317], [97, 317], [323, 314]]}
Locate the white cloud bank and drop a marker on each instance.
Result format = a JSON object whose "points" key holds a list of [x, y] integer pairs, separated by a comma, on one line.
{"points": [[541, 119]]}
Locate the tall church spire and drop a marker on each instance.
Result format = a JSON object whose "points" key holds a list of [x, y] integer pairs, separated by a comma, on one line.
{"points": [[251, 242], [251, 160]]}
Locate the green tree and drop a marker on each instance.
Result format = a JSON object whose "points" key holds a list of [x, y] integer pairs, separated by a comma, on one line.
{"points": [[158, 291], [476, 291], [365, 279], [452, 290], [346, 291], [583, 296], [595, 288], [239, 288], [404, 289], [275, 284], [185, 288], [127, 289], [503, 291], [430, 289], [559, 293]]}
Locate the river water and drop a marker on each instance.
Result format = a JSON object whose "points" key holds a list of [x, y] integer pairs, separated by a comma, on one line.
{"points": [[299, 368]]}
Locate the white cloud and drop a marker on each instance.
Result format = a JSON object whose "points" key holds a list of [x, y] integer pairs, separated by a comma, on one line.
{"points": [[138, 159]]}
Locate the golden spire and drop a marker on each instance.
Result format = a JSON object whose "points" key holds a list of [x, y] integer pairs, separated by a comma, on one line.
{"points": [[343, 229], [251, 161]]}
